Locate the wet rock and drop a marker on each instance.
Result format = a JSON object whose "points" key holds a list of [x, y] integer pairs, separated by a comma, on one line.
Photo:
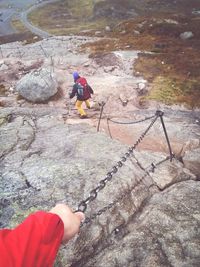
{"points": [[37, 86]]}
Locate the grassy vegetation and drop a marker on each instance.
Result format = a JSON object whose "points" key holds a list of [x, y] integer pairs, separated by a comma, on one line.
{"points": [[18, 25], [172, 90], [174, 79], [80, 8], [67, 17], [172, 65], [22, 34]]}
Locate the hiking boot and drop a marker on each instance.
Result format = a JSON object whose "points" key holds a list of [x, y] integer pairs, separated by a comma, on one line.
{"points": [[83, 116]]}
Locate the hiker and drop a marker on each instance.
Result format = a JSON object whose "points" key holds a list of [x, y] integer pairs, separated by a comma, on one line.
{"points": [[83, 92], [35, 242]]}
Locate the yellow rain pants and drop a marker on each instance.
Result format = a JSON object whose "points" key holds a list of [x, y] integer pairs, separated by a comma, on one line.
{"points": [[79, 107]]}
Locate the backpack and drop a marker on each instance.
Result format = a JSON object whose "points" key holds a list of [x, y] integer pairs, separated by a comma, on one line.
{"points": [[82, 89]]}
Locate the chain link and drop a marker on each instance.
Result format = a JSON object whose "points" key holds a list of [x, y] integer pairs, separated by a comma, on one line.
{"points": [[82, 206], [132, 122], [126, 192]]}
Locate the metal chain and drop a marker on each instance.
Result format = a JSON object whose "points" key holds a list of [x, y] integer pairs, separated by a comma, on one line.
{"points": [[108, 125], [82, 206], [147, 118], [131, 122], [127, 191], [102, 104]]}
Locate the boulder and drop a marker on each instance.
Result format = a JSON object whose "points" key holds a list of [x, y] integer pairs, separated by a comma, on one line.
{"points": [[37, 86], [123, 99], [186, 35], [107, 29], [136, 32], [107, 60]]}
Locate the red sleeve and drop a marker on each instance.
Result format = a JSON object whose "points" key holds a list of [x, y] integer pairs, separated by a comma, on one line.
{"points": [[34, 243]]}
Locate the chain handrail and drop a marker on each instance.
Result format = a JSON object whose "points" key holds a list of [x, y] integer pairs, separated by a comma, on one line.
{"points": [[120, 198], [82, 206], [101, 104], [131, 122]]}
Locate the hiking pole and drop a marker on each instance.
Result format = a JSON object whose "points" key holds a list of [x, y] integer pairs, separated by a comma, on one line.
{"points": [[160, 114], [102, 104]]}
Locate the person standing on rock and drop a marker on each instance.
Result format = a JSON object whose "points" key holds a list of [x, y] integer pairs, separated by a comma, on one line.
{"points": [[83, 92], [35, 242]]}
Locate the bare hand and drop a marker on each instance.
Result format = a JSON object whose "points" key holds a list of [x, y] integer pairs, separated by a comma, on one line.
{"points": [[71, 220]]}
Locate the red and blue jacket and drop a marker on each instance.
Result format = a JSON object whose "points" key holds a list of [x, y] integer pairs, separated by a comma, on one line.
{"points": [[87, 90]]}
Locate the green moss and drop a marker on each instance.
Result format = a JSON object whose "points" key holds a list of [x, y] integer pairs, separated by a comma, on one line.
{"points": [[174, 90], [67, 17], [81, 8], [18, 25]]}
